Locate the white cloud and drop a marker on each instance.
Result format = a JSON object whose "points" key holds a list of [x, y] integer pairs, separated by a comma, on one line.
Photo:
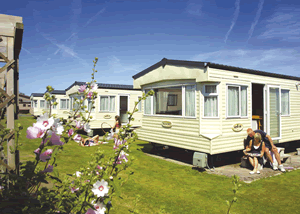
{"points": [[235, 17], [76, 8], [254, 23], [67, 51], [278, 60], [284, 25]]}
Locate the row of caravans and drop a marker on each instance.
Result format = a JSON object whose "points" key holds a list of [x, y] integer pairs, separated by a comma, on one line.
{"points": [[207, 107], [112, 100], [198, 106]]}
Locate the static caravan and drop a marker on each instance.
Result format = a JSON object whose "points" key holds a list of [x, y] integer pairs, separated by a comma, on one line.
{"points": [[112, 100], [40, 105], [207, 107]]}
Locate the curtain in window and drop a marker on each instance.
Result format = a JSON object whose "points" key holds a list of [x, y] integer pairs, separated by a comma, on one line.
{"points": [[211, 106], [76, 103], [47, 104], [285, 102], [63, 104], [162, 101], [112, 104], [244, 100], [147, 103], [90, 105], [190, 101], [233, 101], [103, 103], [71, 103], [42, 103], [54, 106]]}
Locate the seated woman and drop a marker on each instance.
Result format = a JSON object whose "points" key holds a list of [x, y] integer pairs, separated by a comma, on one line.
{"points": [[117, 126], [90, 141], [256, 150]]}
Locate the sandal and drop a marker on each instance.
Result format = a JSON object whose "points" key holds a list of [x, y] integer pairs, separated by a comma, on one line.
{"points": [[258, 172], [251, 173]]}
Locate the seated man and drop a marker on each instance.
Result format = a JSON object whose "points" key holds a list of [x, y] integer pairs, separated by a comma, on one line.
{"points": [[269, 146]]}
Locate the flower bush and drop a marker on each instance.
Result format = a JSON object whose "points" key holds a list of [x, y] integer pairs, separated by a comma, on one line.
{"points": [[90, 189]]}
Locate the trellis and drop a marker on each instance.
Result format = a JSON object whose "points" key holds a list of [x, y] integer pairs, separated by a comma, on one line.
{"points": [[11, 34]]}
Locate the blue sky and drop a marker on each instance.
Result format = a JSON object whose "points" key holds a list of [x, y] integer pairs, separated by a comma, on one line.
{"points": [[61, 38]]}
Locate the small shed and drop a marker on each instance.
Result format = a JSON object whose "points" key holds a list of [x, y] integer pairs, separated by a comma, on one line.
{"points": [[207, 107]]}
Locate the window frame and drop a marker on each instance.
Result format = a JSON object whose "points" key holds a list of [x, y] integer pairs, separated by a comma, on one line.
{"points": [[71, 104], [44, 104], [139, 104], [68, 103], [90, 101], [289, 103], [211, 95], [240, 101], [183, 100], [107, 95], [35, 103]]}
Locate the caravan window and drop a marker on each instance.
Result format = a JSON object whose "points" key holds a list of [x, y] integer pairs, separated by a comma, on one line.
{"points": [[236, 101], [139, 105], [172, 100], [42, 103], [64, 104], [147, 103], [190, 103], [47, 104], [90, 105], [34, 103], [107, 103], [285, 102], [76, 104], [54, 106], [210, 93], [168, 101]]}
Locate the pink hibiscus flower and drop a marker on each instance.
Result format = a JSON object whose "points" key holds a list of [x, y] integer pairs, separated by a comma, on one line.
{"points": [[35, 132], [48, 169], [82, 88], [89, 95], [46, 155], [55, 140], [70, 132]]}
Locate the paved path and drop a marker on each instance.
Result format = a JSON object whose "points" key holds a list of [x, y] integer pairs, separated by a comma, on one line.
{"points": [[243, 173]]}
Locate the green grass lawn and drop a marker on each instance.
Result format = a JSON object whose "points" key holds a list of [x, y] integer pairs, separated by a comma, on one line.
{"points": [[179, 188]]}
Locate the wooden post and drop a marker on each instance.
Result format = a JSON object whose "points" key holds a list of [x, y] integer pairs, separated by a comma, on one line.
{"points": [[16, 88], [10, 106]]}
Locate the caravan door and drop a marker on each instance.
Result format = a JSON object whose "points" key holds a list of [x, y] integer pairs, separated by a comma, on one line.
{"points": [[273, 103], [124, 107]]}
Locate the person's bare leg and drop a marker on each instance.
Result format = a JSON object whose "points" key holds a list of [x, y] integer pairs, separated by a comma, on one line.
{"points": [[277, 155], [269, 157], [255, 164], [251, 161]]}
